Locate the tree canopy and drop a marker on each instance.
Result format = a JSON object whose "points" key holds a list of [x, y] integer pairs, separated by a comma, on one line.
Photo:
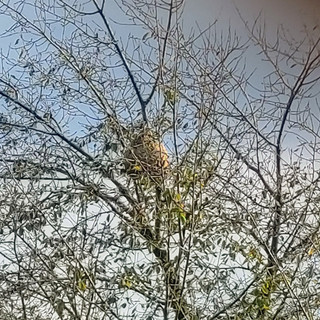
{"points": [[147, 172]]}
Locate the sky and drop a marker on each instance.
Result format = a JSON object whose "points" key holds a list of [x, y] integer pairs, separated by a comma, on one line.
{"points": [[292, 14], [297, 17]]}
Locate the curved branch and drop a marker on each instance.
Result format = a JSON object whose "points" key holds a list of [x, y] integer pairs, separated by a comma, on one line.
{"points": [[124, 61]]}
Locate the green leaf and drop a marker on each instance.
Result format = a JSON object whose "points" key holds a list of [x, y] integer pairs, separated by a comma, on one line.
{"points": [[82, 285]]}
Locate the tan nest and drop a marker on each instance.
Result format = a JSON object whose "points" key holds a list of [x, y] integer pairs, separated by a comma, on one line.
{"points": [[146, 155]]}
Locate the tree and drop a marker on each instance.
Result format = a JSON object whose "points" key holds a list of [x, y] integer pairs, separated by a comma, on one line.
{"points": [[157, 178]]}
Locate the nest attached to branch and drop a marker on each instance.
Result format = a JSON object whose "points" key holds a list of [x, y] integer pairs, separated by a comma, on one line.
{"points": [[146, 155]]}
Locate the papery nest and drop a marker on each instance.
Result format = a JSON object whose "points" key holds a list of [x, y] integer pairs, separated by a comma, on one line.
{"points": [[146, 155]]}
